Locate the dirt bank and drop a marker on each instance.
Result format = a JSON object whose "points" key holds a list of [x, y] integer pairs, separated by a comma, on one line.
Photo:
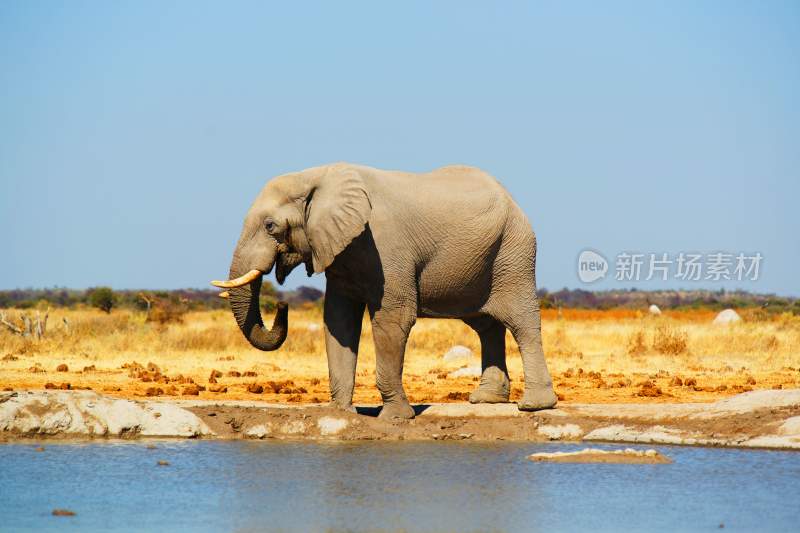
{"points": [[769, 419]]}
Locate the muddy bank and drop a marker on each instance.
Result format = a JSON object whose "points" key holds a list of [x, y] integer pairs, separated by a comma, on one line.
{"points": [[768, 419]]}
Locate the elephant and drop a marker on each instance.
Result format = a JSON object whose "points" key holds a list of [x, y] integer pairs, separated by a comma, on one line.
{"points": [[450, 243]]}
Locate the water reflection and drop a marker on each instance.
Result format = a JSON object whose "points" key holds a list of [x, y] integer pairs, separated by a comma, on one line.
{"points": [[258, 486]]}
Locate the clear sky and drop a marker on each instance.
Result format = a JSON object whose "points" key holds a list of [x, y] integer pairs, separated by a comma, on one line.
{"points": [[134, 135]]}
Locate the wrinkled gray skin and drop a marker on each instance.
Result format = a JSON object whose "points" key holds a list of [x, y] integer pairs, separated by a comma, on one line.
{"points": [[449, 244]]}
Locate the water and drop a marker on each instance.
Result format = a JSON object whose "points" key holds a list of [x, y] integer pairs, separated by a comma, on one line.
{"points": [[439, 486]]}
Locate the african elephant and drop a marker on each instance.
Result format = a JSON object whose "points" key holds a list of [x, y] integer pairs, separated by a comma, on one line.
{"points": [[451, 243]]}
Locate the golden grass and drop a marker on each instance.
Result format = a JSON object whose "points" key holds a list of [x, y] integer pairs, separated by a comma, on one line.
{"points": [[594, 356]]}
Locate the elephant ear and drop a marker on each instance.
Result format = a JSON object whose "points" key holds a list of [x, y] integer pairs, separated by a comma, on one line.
{"points": [[336, 213]]}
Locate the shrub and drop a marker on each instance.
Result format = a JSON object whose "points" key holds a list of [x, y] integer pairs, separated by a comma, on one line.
{"points": [[669, 341], [163, 308], [101, 298], [636, 343]]}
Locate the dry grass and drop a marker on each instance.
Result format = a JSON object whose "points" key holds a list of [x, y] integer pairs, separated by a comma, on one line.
{"points": [[594, 356]]}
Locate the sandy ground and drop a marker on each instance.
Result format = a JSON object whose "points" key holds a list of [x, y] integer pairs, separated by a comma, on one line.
{"points": [[612, 356]]}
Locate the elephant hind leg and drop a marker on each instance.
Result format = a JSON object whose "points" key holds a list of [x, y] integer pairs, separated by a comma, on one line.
{"points": [[520, 314], [527, 331], [495, 386]]}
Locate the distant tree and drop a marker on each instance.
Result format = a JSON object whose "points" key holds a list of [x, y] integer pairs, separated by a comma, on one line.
{"points": [[101, 298]]}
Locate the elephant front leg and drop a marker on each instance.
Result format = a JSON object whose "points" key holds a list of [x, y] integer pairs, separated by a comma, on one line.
{"points": [[342, 317], [390, 331]]}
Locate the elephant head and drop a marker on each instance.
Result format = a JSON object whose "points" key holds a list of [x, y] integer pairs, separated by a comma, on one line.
{"points": [[308, 217]]}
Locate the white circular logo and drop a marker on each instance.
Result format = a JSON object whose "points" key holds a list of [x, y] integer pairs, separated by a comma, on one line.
{"points": [[591, 266]]}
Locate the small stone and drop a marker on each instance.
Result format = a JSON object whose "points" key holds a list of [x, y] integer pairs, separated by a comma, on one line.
{"points": [[62, 368], [649, 389], [654, 310], [163, 463], [63, 512], [191, 390], [255, 388], [234, 374]]}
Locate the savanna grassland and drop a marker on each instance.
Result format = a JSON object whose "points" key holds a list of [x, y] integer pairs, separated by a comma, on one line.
{"points": [[594, 356]]}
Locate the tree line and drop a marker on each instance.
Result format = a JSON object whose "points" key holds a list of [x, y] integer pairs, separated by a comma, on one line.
{"points": [[106, 298], [198, 299]]}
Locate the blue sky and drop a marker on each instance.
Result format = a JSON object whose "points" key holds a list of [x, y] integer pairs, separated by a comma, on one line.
{"points": [[134, 135]]}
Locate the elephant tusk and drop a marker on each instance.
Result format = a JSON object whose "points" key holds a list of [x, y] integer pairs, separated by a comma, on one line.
{"points": [[238, 282], [224, 294]]}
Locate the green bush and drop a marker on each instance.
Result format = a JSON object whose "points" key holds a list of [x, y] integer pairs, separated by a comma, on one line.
{"points": [[101, 298]]}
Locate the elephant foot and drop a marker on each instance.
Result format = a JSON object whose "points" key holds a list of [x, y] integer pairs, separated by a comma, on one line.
{"points": [[493, 388], [397, 409], [349, 407], [534, 399]]}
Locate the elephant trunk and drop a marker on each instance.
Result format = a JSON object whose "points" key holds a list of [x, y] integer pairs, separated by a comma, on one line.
{"points": [[245, 305]]}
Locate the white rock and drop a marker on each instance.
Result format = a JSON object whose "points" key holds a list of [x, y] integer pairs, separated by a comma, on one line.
{"points": [[655, 434], [87, 413], [772, 441], [728, 316], [654, 310], [750, 401], [566, 431], [467, 371], [595, 451], [329, 425], [790, 427], [457, 353], [258, 432]]}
